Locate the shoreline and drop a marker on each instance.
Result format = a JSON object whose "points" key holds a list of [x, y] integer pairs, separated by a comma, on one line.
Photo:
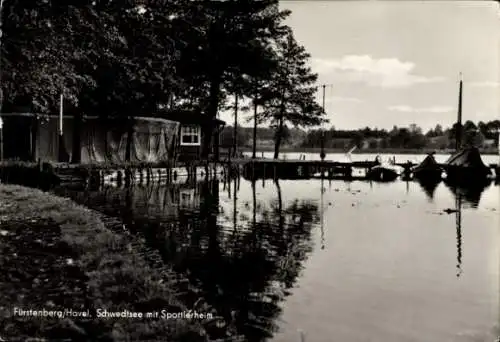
{"points": [[363, 151], [92, 266]]}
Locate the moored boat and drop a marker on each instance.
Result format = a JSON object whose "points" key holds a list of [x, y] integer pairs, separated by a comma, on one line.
{"points": [[428, 169], [383, 172], [467, 167]]}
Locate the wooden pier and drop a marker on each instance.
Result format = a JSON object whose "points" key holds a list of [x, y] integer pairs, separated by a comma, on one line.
{"points": [[100, 174], [306, 169], [129, 174]]}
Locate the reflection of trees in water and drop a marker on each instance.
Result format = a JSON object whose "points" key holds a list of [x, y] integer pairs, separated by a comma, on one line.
{"points": [[242, 272]]}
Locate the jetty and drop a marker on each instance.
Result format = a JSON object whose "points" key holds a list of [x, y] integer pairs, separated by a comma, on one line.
{"points": [[124, 174], [108, 174], [307, 169]]}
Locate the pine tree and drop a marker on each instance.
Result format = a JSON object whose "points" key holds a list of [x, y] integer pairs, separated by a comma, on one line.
{"points": [[291, 96]]}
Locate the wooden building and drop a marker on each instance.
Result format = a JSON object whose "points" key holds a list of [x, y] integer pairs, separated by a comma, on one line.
{"points": [[192, 129], [173, 135]]}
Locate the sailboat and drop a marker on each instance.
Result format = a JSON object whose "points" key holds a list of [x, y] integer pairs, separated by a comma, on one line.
{"points": [[385, 171], [465, 165], [428, 170]]}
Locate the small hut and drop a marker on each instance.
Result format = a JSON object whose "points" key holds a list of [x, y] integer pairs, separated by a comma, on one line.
{"points": [[193, 126]]}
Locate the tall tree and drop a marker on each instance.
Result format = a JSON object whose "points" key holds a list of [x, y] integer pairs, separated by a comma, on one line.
{"points": [[41, 54], [230, 39], [291, 95]]}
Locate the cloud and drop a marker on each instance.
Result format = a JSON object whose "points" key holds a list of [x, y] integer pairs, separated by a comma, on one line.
{"points": [[384, 72], [331, 99], [409, 109], [485, 84]]}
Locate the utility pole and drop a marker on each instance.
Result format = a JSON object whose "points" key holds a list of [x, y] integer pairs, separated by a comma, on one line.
{"points": [[322, 141], [322, 153], [324, 91]]}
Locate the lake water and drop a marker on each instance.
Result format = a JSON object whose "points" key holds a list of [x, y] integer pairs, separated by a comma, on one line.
{"points": [[326, 260]]}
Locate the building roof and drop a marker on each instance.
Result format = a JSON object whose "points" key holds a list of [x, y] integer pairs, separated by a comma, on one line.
{"points": [[189, 117]]}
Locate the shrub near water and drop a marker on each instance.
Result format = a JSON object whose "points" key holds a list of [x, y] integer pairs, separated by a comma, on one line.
{"points": [[56, 255]]}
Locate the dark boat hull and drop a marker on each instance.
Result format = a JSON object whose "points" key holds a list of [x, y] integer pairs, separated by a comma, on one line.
{"points": [[428, 170], [381, 174], [467, 175], [428, 174], [466, 167]]}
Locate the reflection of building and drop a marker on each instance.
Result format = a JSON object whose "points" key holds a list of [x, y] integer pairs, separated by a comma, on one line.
{"points": [[160, 201], [188, 199]]}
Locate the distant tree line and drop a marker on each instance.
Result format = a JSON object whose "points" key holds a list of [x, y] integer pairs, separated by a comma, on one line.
{"points": [[411, 137]]}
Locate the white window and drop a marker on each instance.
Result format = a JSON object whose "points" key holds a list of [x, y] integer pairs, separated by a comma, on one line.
{"points": [[190, 135]]}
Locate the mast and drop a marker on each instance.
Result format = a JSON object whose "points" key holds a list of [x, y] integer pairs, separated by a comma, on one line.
{"points": [[458, 133]]}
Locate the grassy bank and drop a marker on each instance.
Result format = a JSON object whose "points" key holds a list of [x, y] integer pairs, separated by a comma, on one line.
{"points": [[360, 151], [56, 255]]}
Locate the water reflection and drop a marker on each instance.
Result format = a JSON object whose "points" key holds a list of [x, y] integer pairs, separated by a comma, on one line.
{"points": [[471, 194], [241, 252], [242, 262], [429, 187], [464, 197], [458, 224], [322, 212]]}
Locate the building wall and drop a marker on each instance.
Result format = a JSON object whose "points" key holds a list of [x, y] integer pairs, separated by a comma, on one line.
{"points": [[189, 152], [153, 139]]}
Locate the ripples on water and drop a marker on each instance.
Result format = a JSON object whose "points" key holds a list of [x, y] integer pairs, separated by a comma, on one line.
{"points": [[339, 261]]}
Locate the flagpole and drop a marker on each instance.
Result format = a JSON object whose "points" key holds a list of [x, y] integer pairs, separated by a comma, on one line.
{"points": [[62, 148], [61, 115]]}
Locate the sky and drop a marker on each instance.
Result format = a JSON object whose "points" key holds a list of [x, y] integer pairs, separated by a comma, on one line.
{"points": [[389, 63]]}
